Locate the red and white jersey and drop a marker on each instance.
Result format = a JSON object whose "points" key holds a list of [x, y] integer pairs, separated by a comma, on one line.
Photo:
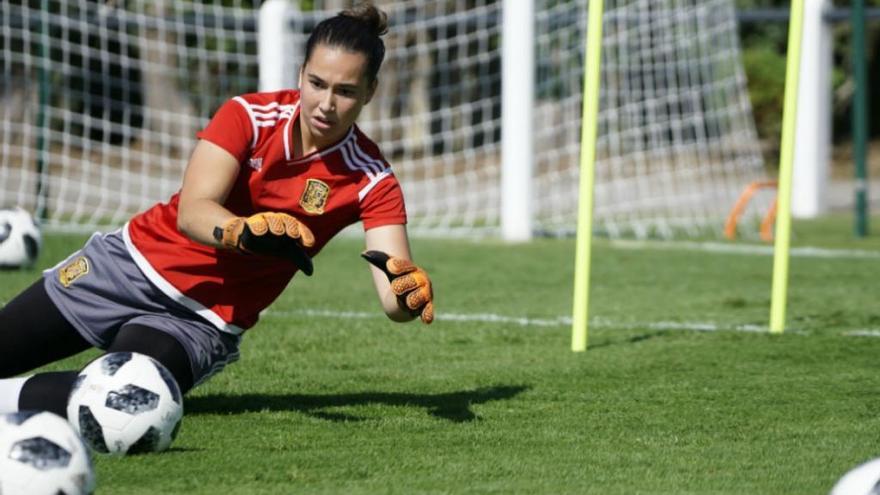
{"points": [[327, 190]]}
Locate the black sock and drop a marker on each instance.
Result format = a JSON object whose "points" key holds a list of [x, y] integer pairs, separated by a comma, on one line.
{"points": [[47, 392]]}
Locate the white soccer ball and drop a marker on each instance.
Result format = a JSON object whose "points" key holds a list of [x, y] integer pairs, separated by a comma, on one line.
{"points": [[19, 238], [861, 480], [125, 403], [40, 454]]}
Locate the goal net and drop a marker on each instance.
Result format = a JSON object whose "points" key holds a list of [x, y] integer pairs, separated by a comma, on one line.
{"points": [[101, 101], [676, 141]]}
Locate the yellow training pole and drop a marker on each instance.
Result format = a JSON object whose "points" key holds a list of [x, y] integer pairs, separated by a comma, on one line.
{"points": [[589, 117], [783, 218]]}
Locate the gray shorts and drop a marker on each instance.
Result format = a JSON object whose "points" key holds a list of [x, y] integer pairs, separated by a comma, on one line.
{"points": [[100, 289]]}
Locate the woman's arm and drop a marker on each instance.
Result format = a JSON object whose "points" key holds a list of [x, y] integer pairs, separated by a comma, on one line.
{"points": [[390, 239], [210, 175]]}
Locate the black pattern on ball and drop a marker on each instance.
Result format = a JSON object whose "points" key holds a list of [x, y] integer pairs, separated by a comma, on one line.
{"points": [[176, 429], [77, 383], [169, 380], [20, 417], [31, 246], [132, 399], [5, 231], [91, 430], [149, 442], [40, 453], [111, 363]]}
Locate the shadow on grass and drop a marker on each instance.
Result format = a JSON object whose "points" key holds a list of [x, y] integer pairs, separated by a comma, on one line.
{"points": [[166, 452], [633, 339], [453, 406]]}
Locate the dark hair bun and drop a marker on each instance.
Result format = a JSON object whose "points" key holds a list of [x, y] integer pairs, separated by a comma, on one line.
{"points": [[358, 29], [374, 19]]}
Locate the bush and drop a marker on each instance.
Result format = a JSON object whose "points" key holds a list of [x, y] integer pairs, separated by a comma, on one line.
{"points": [[765, 69]]}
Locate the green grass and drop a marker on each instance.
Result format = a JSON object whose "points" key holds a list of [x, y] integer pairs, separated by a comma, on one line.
{"points": [[331, 403]]}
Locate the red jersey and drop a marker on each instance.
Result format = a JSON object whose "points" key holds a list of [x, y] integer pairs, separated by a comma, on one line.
{"points": [[327, 190]]}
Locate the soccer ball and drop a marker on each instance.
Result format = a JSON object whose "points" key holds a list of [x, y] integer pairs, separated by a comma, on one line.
{"points": [[861, 480], [125, 403], [40, 454], [19, 238]]}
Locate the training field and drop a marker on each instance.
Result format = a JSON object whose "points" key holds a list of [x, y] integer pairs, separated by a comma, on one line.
{"points": [[681, 391]]}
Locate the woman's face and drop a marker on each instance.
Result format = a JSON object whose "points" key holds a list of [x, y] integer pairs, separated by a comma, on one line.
{"points": [[333, 90]]}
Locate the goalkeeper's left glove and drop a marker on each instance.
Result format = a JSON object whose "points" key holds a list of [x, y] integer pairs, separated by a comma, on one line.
{"points": [[269, 233], [409, 283]]}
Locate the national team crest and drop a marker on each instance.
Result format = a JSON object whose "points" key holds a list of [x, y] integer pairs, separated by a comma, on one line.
{"points": [[314, 197], [73, 270]]}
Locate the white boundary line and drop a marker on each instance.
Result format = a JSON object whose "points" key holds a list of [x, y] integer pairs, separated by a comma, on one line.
{"points": [[559, 321], [720, 247], [866, 332]]}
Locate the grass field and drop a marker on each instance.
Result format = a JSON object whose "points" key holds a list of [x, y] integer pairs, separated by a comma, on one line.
{"points": [[680, 392]]}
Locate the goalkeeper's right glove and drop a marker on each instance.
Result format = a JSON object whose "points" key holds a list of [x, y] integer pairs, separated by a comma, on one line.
{"points": [[409, 283], [269, 233]]}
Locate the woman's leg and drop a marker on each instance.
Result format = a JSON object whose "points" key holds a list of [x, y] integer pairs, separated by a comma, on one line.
{"points": [[158, 345], [49, 391], [34, 333]]}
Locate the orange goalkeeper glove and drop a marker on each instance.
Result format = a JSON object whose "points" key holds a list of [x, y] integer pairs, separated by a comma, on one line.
{"points": [[409, 283], [269, 233]]}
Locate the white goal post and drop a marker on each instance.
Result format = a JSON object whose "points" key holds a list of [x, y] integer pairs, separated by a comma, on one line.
{"points": [[478, 108]]}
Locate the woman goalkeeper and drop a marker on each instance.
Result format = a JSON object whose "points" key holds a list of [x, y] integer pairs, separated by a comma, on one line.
{"points": [[273, 177]]}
